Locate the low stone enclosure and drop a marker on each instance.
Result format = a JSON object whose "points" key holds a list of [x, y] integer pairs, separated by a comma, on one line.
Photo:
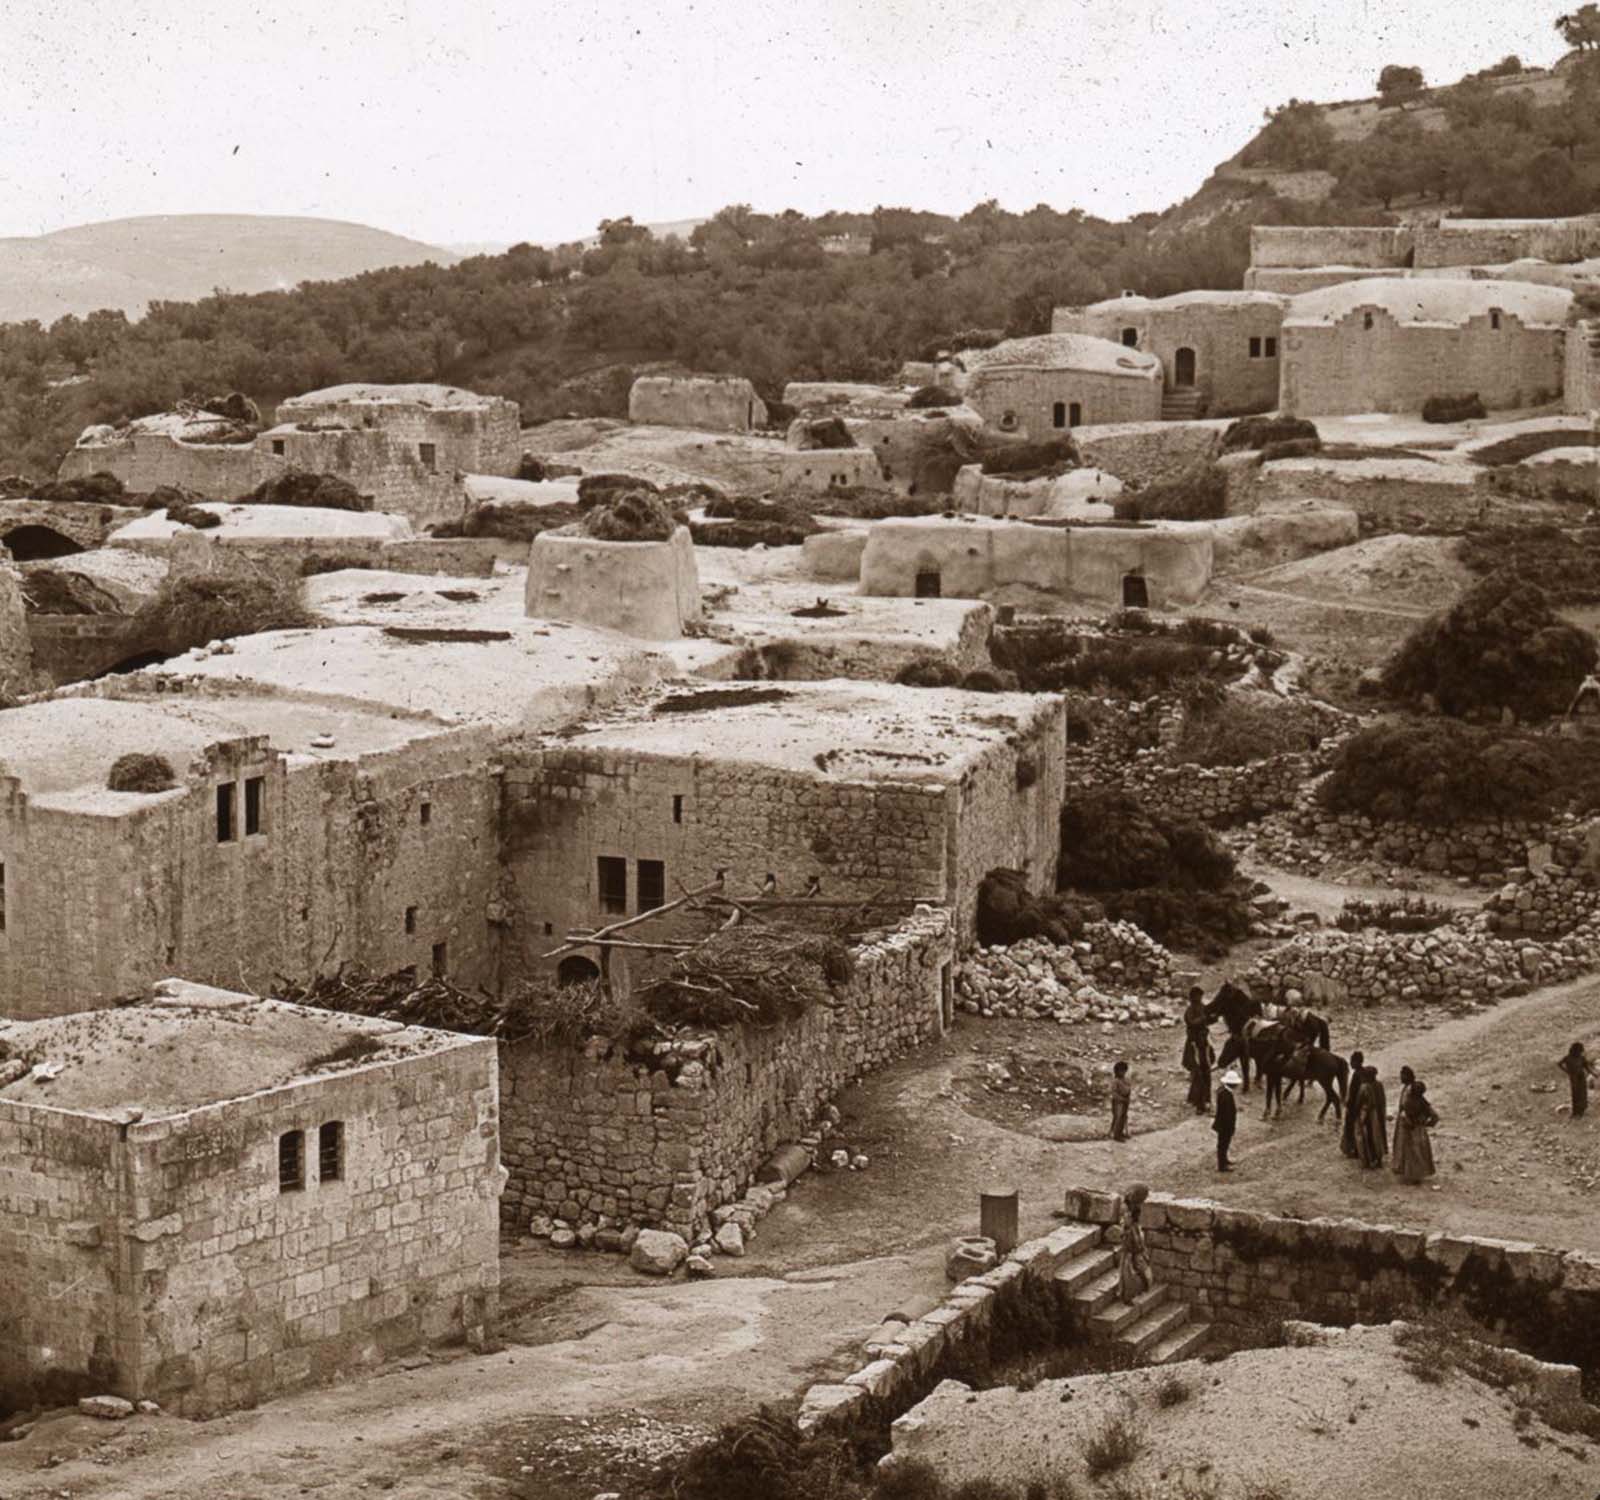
{"points": [[666, 1133], [1247, 1272]]}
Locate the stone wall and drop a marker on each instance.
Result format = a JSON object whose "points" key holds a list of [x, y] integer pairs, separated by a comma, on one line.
{"points": [[1248, 1269], [1350, 366], [1492, 242], [71, 648], [814, 471], [1305, 248], [1027, 401], [915, 450], [1142, 452], [665, 1135], [87, 526], [16, 646], [196, 1282], [1581, 395], [711, 403]]}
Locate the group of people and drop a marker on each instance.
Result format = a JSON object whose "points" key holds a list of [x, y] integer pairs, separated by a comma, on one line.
{"points": [[1364, 1134]]}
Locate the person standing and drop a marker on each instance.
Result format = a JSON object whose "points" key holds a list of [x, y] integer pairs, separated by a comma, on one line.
{"points": [[1417, 1161], [1372, 1120], [1401, 1122], [1226, 1119], [1198, 1053], [1579, 1070], [1133, 1259], [1352, 1104], [1121, 1098]]}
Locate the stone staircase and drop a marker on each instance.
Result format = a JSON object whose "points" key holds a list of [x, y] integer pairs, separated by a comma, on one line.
{"points": [[1156, 1328], [1185, 403]]}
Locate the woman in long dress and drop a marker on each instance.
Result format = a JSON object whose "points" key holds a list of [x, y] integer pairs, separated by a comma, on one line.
{"points": [[1198, 1054], [1420, 1118], [1352, 1103], [1579, 1071], [1133, 1259], [1401, 1123], [1372, 1122]]}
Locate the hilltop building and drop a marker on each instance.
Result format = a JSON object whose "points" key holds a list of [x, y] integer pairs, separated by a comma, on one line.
{"points": [[1045, 386], [709, 403]]}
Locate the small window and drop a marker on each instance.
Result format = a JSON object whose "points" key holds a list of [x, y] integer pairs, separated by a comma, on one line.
{"points": [[677, 809], [1494, 317], [1272, 348], [928, 584], [1255, 348], [1130, 337], [330, 1152], [441, 959], [1366, 320], [225, 794], [1075, 414], [549, 928], [1059, 414], [430, 457], [652, 884], [613, 884], [291, 1161], [411, 919], [277, 446], [254, 788], [425, 814], [2, 898], [1008, 421]]}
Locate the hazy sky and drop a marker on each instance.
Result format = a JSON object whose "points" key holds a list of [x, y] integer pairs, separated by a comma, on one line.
{"points": [[499, 120]]}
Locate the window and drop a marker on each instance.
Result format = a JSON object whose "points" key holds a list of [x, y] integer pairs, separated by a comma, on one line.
{"points": [[1366, 321], [652, 884], [277, 446], [1008, 421], [225, 812], [291, 1161], [411, 919], [425, 814], [441, 959], [1059, 415], [928, 584], [1130, 338], [2, 898], [677, 809], [1272, 348], [330, 1152], [613, 884], [1075, 414], [430, 457], [254, 787], [1255, 348], [1494, 317]]}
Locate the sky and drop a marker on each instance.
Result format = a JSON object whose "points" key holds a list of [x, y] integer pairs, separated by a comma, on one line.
{"points": [[492, 121]]}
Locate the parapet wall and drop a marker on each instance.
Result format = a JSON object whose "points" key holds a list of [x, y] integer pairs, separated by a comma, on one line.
{"points": [[645, 589], [598, 1136]]}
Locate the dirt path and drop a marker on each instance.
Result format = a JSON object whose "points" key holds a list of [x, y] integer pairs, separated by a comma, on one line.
{"points": [[1326, 897]]}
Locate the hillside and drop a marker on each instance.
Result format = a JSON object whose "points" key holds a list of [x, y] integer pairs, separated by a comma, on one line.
{"points": [[126, 263]]}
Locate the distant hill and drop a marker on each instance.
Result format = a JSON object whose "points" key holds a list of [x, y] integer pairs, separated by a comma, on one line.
{"points": [[126, 263]]}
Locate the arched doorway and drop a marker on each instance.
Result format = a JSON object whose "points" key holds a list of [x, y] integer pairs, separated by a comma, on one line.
{"points": [[1183, 367], [575, 969], [33, 543]]}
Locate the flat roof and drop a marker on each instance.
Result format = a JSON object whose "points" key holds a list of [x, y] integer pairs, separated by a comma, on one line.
{"points": [[834, 731], [1439, 302], [268, 523], [419, 394], [188, 1046]]}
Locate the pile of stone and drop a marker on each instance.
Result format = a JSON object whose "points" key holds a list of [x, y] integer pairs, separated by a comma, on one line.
{"points": [[1093, 979], [1543, 903]]}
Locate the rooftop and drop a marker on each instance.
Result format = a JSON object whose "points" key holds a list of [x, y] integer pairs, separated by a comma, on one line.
{"points": [[838, 731], [1202, 298], [1427, 302], [189, 1046], [248, 523], [394, 395], [1066, 351]]}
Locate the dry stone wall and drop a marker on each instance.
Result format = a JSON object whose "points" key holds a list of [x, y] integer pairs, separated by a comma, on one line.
{"points": [[665, 1135]]}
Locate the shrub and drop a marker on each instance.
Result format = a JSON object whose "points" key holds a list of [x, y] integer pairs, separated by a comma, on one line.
{"points": [[1500, 645], [1294, 448], [929, 672], [1008, 912], [749, 533], [866, 504], [1263, 432], [99, 488], [140, 772], [303, 487], [1236, 729], [1565, 563], [824, 433], [193, 515], [1453, 409], [1173, 1390], [1200, 493], [763, 1455], [1525, 445], [310, 567], [932, 396], [1392, 914], [191, 609], [511, 520], [635, 516], [1016, 459], [531, 469], [1113, 1445], [596, 489]]}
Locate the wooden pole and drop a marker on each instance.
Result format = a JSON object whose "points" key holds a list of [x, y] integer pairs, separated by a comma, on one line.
{"points": [[644, 916], [997, 1218]]}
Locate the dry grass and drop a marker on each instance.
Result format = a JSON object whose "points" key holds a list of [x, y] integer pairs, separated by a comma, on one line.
{"points": [[217, 603], [1113, 1445], [138, 772]]}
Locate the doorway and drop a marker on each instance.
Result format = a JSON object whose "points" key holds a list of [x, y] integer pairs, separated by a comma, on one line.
{"points": [[1135, 592], [928, 582], [33, 543], [1183, 367], [576, 970]]}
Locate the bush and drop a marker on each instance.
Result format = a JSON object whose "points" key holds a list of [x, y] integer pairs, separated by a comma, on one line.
{"points": [[1294, 448], [192, 609], [866, 504], [928, 672], [1200, 493], [140, 772], [1173, 1390], [1237, 729], [1564, 563], [749, 533], [1008, 912], [510, 520], [193, 515], [635, 516], [596, 489], [1113, 1445], [824, 434], [763, 1456], [1016, 459], [97, 489], [1500, 645], [1392, 914], [1525, 445], [1453, 409], [302, 487], [927, 396], [1263, 432], [531, 469]]}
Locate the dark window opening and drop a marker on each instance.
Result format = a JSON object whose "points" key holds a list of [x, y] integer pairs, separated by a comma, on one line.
{"points": [[330, 1152], [1183, 364], [652, 884], [430, 457], [1059, 414], [1130, 337], [1075, 414], [225, 812], [1272, 348], [927, 585], [1494, 317], [411, 919], [1135, 592], [254, 787], [441, 959], [575, 969], [613, 884], [549, 928], [35, 543], [1008, 421], [1366, 320], [2, 898], [291, 1161], [1255, 348], [677, 809], [277, 446], [425, 814]]}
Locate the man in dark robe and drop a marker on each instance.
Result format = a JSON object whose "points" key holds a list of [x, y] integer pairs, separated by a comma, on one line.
{"points": [[1226, 1120], [1347, 1131], [1198, 1053], [1372, 1120]]}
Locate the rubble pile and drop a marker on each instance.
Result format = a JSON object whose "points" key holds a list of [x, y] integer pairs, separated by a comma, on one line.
{"points": [[1093, 979], [1545, 903]]}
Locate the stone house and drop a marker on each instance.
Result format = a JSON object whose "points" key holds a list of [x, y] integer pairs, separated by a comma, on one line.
{"points": [[1390, 344], [711, 403], [219, 1198], [1045, 386], [847, 789], [1218, 350]]}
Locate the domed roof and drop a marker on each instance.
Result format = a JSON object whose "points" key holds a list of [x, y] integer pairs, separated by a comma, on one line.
{"points": [[1066, 351], [1202, 297], [1432, 302]]}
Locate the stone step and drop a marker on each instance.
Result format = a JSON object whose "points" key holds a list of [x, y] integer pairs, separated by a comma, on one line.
{"points": [[1153, 1327], [1183, 1343], [1090, 1298], [1084, 1269], [1116, 1316]]}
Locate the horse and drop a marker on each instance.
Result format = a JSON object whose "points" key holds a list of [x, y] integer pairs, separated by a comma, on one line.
{"points": [[1327, 1069], [1236, 1007], [1263, 1045]]}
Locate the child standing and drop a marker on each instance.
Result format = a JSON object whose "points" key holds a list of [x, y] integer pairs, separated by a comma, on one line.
{"points": [[1121, 1097]]}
